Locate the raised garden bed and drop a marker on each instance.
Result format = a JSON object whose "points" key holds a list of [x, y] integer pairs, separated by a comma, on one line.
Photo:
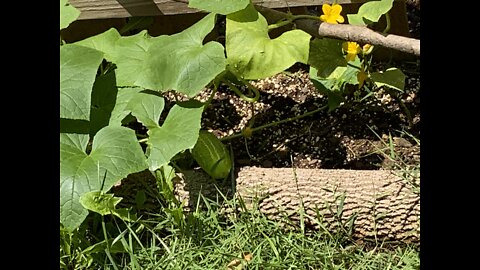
{"points": [[377, 133]]}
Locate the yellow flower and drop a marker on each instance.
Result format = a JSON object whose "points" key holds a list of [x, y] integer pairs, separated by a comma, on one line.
{"points": [[352, 49], [331, 14], [361, 77], [367, 48]]}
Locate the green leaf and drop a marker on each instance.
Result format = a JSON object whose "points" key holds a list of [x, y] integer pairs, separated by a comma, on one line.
{"points": [[370, 12], [104, 42], [129, 54], [68, 14], [78, 68], [346, 74], [120, 111], [104, 204], [147, 107], [326, 55], [392, 77], [250, 51], [337, 78], [223, 7], [104, 95], [115, 154], [179, 132], [164, 177], [333, 85], [328, 87], [182, 62], [99, 202]]}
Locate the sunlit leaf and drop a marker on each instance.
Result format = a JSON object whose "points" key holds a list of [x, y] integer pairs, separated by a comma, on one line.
{"points": [[115, 154], [252, 54], [68, 14], [370, 12], [78, 68], [392, 77]]}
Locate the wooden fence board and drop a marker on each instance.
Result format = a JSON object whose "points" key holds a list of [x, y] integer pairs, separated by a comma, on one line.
{"points": [[102, 9]]}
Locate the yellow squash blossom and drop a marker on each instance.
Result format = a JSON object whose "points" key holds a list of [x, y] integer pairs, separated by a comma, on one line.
{"points": [[367, 49], [331, 14], [352, 49]]}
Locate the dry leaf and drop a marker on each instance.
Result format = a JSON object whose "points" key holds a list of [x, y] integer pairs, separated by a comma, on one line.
{"points": [[248, 257], [233, 264]]}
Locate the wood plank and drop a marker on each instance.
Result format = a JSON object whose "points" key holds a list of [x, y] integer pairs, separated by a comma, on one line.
{"points": [[102, 9]]}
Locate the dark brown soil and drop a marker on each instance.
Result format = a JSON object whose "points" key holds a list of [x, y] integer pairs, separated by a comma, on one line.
{"points": [[356, 135]]}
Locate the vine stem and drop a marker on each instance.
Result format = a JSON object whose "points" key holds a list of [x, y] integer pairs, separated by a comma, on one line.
{"points": [[276, 123], [240, 94], [210, 98], [387, 27], [290, 18]]}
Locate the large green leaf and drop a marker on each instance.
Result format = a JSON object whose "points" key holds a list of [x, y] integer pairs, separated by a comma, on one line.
{"points": [[115, 154], [253, 54], [120, 111], [182, 62], [104, 42], [68, 14], [223, 7], [326, 55], [146, 107], [179, 132], [78, 68], [129, 55], [370, 12], [392, 77], [104, 96]]}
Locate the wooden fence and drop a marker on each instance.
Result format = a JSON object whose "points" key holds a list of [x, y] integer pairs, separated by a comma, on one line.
{"points": [[98, 9]]}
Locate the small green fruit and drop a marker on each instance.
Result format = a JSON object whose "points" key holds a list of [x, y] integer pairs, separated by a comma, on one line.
{"points": [[212, 155]]}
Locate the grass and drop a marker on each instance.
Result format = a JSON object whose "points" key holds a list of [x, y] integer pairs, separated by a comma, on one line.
{"points": [[410, 173], [213, 238], [209, 239]]}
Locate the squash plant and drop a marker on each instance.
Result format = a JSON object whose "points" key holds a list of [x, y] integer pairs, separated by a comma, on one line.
{"points": [[109, 78]]}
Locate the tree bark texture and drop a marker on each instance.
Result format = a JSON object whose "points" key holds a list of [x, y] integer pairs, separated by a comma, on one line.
{"points": [[374, 204], [365, 35]]}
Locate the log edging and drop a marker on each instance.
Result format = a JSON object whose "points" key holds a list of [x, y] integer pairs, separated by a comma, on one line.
{"points": [[375, 204]]}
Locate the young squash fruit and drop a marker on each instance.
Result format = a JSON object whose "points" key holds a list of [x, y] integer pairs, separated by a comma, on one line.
{"points": [[212, 155]]}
